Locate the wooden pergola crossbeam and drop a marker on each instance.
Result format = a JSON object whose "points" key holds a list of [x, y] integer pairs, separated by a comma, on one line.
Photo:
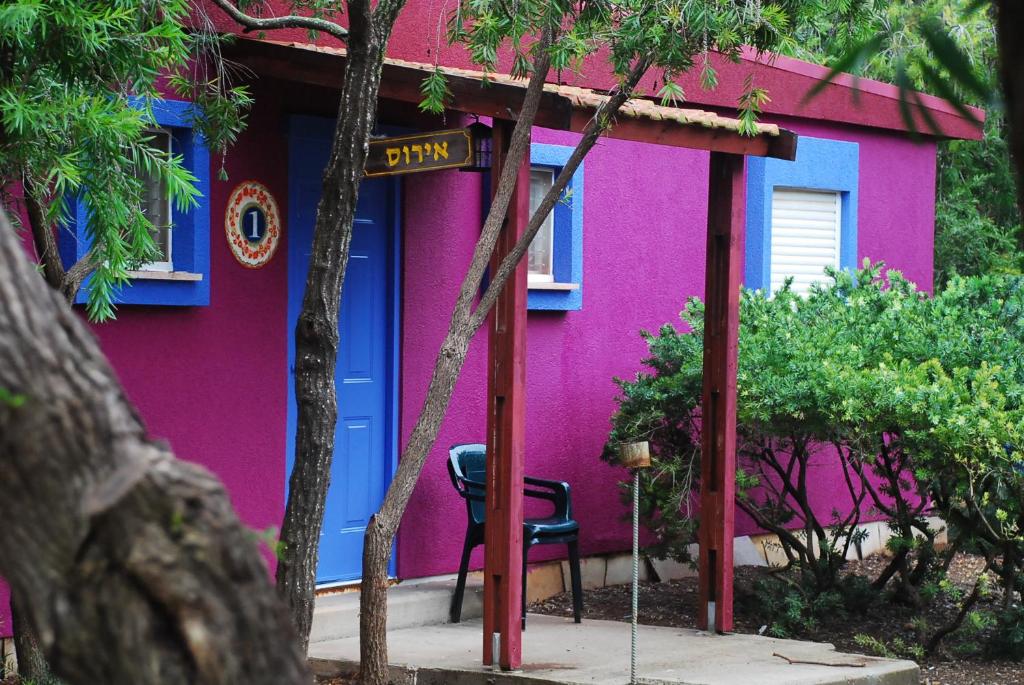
{"points": [[499, 97], [567, 108]]}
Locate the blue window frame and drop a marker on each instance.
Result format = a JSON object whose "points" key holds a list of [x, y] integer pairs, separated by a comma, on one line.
{"points": [[821, 164], [565, 291], [189, 283]]}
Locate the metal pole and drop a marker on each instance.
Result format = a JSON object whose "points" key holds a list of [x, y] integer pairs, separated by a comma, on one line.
{"points": [[636, 573]]}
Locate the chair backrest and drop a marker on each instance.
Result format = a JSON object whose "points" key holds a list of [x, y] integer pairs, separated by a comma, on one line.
{"points": [[467, 466]]}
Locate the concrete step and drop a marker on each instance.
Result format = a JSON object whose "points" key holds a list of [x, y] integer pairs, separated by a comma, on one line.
{"points": [[411, 604]]}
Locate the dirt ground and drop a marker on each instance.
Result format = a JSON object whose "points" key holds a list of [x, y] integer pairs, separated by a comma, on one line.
{"points": [[675, 604]]}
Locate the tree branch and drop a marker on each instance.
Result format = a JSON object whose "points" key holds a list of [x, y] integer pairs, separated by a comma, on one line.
{"points": [[292, 21], [76, 275], [385, 15], [965, 608], [43, 239], [593, 129]]}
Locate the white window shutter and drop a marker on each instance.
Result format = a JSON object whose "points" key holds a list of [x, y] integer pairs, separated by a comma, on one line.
{"points": [[805, 236]]}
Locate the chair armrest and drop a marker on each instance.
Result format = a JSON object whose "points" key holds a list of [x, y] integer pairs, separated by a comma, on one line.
{"points": [[465, 491], [556, 492], [474, 483], [545, 483]]}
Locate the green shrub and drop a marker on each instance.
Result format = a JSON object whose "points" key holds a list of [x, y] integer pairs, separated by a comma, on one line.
{"points": [[895, 648], [916, 401], [790, 609], [1007, 639]]}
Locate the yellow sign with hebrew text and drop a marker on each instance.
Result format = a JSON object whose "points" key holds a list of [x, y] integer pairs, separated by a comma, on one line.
{"points": [[414, 152]]}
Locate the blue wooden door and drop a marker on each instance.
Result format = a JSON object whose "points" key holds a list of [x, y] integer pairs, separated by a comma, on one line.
{"points": [[363, 448]]}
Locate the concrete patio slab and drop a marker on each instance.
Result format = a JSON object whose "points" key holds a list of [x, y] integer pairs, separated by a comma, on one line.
{"points": [[556, 650]]}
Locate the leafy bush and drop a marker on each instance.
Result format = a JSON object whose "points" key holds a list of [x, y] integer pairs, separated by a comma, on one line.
{"points": [[789, 609], [914, 402], [896, 648], [1008, 638]]}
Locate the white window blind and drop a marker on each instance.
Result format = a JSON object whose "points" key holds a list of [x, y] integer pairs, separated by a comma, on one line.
{"points": [[805, 236]]}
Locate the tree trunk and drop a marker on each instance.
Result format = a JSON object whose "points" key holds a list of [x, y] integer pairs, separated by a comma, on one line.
{"points": [[316, 333], [464, 323], [1009, 22], [129, 565], [32, 664], [44, 239]]}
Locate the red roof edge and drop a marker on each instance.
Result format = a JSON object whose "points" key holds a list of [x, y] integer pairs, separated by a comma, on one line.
{"points": [[858, 100]]}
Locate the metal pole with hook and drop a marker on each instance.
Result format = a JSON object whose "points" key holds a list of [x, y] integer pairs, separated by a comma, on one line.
{"points": [[635, 455]]}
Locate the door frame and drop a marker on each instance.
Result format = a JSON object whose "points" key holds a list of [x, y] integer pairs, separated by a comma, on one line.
{"points": [[305, 127]]}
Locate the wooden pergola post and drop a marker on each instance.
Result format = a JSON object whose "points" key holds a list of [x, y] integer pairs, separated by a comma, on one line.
{"points": [[506, 428], [726, 216]]}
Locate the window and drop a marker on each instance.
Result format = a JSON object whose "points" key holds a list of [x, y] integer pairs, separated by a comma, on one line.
{"points": [[802, 215], [805, 236], [156, 205], [182, 276], [556, 254], [541, 255]]}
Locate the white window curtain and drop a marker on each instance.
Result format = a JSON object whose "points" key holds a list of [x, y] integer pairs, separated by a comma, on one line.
{"points": [[541, 255], [156, 204]]}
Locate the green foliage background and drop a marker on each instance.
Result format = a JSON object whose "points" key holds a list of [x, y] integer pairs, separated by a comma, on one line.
{"points": [[977, 222]]}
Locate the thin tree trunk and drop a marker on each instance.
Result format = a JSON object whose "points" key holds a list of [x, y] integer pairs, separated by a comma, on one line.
{"points": [[1009, 22], [316, 333], [933, 642], [129, 565], [465, 322], [65, 281], [43, 239]]}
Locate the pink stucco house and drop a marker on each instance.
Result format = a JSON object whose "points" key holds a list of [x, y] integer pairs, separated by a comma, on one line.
{"points": [[202, 343]]}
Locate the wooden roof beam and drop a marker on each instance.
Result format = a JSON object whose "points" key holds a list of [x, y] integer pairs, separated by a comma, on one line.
{"points": [[500, 100]]}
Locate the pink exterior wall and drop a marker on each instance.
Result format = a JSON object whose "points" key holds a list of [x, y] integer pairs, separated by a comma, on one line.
{"points": [[211, 380], [896, 217], [645, 210]]}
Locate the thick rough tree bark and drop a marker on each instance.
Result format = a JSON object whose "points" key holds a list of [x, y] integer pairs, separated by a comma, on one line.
{"points": [[1009, 22], [129, 565], [32, 664], [465, 322], [316, 333]]}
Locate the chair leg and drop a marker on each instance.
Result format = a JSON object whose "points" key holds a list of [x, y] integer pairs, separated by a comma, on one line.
{"points": [[460, 586], [577, 584], [526, 550]]}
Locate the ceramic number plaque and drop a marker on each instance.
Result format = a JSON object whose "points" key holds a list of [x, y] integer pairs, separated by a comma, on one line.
{"points": [[252, 224]]}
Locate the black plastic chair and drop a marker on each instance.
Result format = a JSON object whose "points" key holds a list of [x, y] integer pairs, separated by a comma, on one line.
{"points": [[467, 466]]}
